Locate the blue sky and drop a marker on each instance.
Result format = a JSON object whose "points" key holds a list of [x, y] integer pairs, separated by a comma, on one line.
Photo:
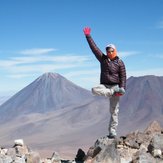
{"points": [[38, 36]]}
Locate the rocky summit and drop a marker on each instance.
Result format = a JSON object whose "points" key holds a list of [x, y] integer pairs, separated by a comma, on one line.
{"points": [[135, 147]]}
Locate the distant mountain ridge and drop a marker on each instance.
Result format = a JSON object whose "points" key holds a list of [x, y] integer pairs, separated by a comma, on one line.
{"points": [[142, 102]]}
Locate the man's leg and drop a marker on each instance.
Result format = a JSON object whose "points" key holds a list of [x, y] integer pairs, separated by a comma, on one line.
{"points": [[102, 90], [114, 110]]}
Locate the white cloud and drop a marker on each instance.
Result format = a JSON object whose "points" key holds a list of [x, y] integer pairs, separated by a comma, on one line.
{"points": [[37, 51], [7, 63], [18, 67], [88, 72], [40, 68], [18, 76], [127, 53], [47, 58]]}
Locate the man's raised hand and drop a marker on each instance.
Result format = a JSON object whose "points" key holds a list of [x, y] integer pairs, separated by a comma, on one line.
{"points": [[87, 31]]}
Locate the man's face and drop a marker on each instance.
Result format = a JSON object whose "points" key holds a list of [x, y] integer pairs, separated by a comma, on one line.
{"points": [[111, 53]]}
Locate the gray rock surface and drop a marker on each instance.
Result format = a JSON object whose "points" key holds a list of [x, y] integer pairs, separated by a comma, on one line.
{"points": [[104, 151], [135, 147]]}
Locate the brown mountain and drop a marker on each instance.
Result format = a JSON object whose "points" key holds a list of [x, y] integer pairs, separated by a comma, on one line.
{"points": [[48, 92], [142, 102]]}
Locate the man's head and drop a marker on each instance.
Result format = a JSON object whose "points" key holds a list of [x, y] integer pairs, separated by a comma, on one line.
{"points": [[111, 51]]}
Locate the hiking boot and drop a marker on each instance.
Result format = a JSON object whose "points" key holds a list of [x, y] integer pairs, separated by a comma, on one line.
{"points": [[119, 91]]}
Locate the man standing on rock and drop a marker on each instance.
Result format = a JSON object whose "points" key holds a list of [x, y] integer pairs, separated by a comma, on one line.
{"points": [[112, 79]]}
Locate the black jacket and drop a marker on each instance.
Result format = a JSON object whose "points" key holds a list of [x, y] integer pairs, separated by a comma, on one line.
{"points": [[112, 71]]}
